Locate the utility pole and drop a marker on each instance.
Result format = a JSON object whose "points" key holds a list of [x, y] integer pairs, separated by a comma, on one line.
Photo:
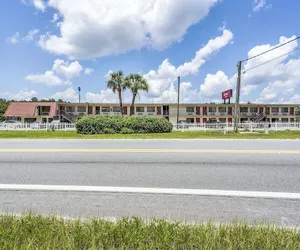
{"points": [[178, 100], [237, 99], [79, 89]]}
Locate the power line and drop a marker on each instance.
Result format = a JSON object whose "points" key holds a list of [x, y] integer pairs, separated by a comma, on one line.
{"points": [[271, 60], [272, 49]]}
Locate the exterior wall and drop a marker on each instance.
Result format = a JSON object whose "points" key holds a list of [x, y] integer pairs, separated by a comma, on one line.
{"points": [[196, 113], [38, 118]]}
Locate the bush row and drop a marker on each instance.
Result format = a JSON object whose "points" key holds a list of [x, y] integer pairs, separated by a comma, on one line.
{"points": [[124, 125]]}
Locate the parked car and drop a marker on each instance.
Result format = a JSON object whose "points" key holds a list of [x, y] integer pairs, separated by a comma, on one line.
{"points": [[11, 124]]}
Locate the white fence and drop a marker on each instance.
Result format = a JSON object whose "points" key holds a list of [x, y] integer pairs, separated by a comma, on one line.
{"points": [[182, 127], [37, 126], [243, 126]]}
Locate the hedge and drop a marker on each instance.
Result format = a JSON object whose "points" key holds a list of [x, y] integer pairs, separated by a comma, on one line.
{"points": [[125, 125]]}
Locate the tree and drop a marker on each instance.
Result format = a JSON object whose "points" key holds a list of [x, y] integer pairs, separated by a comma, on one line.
{"points": [[135, 83], [3, 106], [116, 84], [34, 99]]}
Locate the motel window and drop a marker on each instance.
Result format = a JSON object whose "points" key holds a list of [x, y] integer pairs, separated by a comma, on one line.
{"points": [[222, 109], [81, 109], [105, 109], [70, 109], [285, 110], [116, 109], [244, 109], [97, 110], [140, 109], [275, 110], [190, 120], [151, 109], [253, 109], [284, 119], [45, 109], [190, 109], [212, 109]]}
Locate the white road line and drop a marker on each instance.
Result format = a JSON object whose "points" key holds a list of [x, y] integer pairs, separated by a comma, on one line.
{"points": [[138, 190]]}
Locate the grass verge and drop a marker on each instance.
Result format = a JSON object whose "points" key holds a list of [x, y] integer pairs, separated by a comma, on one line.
{"points": [[37, 232], [172, 135]]}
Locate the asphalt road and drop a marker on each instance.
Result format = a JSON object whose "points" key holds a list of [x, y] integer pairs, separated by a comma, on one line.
{"points": [[233, 165]]}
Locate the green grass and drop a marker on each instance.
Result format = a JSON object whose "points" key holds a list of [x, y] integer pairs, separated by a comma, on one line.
{"points": [[36, 232], [172, 135]]}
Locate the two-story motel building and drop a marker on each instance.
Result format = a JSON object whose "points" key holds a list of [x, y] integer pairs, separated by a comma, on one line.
{"points": [[191, 113]]}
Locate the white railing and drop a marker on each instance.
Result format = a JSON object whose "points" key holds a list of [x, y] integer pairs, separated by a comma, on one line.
{"points": [[37, 126], [277, 126]]}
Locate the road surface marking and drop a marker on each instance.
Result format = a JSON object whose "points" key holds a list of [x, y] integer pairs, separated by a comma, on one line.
{"points": [[95, 150], [139, 190]]}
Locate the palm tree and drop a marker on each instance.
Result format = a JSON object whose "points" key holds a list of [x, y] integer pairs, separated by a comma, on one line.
{"points": [[116, 84], [135, 83]]}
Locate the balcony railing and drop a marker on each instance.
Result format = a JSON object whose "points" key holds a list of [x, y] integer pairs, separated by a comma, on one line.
{"points": [[280, 114], [249, 114]]}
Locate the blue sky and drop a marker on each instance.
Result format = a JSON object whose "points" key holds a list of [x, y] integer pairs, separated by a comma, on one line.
{"points": [[49, 48]]}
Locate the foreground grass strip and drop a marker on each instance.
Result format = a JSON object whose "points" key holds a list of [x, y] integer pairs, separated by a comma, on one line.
{"points": [[172, 135], [36, 232]]}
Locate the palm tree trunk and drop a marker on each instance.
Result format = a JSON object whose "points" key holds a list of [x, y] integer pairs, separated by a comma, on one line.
{"points": [[132, 105], [121, 104]]}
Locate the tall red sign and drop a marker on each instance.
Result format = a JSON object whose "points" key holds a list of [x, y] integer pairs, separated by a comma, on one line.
{"points": [[227, 94]]}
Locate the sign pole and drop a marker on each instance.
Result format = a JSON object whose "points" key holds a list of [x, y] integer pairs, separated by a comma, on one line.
{"points": [[237, 100], [178, 98]]}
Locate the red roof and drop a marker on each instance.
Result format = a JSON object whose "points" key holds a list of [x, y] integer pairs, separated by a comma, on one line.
{"points": [[28, 108]]}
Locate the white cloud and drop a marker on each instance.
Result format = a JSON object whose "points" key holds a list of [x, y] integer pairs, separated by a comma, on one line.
{"points": [[214, 85], [246, 90], [294, 99], [88, 71], [55, 18], [66, 69], [224, 25], [92, 29], [24, 95], [48, 78], [260, 4], [67, 95], [31, 35], [61, 74], [280, 77], [161, 81], [105, 96], [14, 39], [38, 4]]}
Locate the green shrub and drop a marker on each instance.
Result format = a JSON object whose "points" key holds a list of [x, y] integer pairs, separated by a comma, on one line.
{"points": [[116, 124], [126, 131], [109, 131]]}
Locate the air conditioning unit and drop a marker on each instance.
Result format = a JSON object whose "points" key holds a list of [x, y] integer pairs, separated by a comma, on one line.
{"points": [[190, 113], [140, 113]]}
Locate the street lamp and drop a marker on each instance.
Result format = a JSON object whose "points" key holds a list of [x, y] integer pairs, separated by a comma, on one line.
{"points": [[79, 89]]}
